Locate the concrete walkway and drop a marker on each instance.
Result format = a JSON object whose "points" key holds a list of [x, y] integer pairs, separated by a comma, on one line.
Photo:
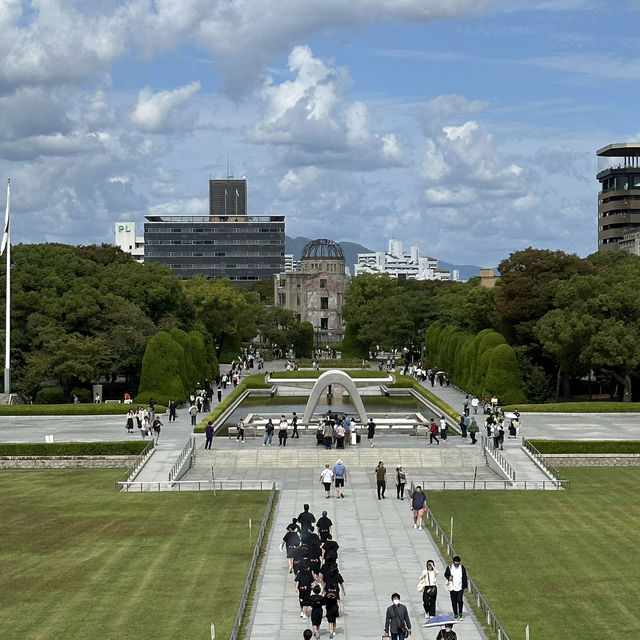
{"points": [[520, 462], [380, 552]]}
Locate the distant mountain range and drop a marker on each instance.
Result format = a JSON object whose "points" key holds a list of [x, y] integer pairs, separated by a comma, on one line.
{"points": [[351, 251]]}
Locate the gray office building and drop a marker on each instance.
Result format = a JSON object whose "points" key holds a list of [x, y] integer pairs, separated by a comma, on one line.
{"points": [[228, 197], [242, 248], [619, 197]]}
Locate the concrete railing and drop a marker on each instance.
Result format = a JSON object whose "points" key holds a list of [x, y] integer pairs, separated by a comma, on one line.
{"points": [[499, 460], [540, 460], [185, 460]]}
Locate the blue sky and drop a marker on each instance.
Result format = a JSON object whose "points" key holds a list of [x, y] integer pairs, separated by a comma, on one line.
{"points": [[466, 127]]}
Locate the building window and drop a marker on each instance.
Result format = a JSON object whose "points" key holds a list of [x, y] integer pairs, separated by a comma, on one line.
{"points": [[323, 283], [298, 299], [324, 323], [324, 303], [282, 298]]}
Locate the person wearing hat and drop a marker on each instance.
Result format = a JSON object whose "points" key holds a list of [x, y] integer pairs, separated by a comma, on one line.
{"points": [[340, 475]]}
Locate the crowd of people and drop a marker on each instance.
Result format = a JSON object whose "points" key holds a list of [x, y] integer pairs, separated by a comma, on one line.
{"points": [[312, 558], [145, 420]]}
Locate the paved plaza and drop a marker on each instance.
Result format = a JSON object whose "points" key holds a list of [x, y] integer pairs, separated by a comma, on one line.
{"points": [[380, 551]]}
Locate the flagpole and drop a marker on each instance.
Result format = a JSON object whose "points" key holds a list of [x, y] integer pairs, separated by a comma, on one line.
{"points": [[7, 332]]}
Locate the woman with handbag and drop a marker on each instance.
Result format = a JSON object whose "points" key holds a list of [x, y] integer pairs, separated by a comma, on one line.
{"points": [[427, 584]]}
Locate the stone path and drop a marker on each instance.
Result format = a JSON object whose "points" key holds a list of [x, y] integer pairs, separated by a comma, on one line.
{"points": [[380, 552]]}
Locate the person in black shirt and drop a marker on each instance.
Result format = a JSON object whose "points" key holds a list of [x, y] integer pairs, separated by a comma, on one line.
{"points": [[304, 580], [324, 525], [306, 520], [291, 542], [330, 549], [316, 601]]}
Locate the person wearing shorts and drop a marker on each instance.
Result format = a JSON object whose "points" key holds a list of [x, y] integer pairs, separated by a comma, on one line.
{"points": [[418, 506], [340, 475], [326, 477]]}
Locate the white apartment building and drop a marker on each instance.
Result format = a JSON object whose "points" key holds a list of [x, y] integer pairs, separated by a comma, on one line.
{"points": [[127, 240], [404, 266]]}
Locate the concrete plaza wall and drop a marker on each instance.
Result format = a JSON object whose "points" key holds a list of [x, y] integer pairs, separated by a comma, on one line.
{"points": [[66, 462], [593, 460]]}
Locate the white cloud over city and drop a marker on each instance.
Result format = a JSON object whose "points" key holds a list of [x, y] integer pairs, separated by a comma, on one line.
{"points": [[112, 110]]}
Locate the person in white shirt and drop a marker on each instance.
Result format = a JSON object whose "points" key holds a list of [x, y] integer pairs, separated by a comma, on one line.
{"points": [[326, 477], [456, 575]]}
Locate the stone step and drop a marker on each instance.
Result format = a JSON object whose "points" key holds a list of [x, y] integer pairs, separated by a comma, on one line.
{"points": [[279, 457]]}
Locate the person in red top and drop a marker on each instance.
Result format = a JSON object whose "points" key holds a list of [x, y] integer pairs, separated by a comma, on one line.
{"points": [[433, 432]]}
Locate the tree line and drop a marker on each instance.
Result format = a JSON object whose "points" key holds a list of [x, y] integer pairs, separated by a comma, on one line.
{"points": [[82, 314], [574, 323]]}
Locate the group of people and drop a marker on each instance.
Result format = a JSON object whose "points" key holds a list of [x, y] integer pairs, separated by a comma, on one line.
{"points": [[145, 420], [269, 429], [312, 557]]}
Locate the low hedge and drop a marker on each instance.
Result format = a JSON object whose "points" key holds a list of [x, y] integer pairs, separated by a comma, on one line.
{"points": [[101, 409], [255, 381], [586, 446], [402, 382], [333, 363], [577, 407], [73, 448], [311, 373]]}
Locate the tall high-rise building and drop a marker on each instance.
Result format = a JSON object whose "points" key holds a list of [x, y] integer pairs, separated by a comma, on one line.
{"points": [[227, 243], [228, 197], [619, 197]]}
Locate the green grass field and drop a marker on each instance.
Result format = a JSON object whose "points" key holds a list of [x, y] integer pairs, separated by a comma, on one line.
{"points": [[563, 562], [596, 406], [79, 560]]}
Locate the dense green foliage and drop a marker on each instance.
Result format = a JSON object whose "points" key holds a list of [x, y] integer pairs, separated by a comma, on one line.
{"points": [[586, 446], [229, 347], [482, 363], [303, 344], [133, 448], [80, 560], [50, 395], [408, 381], [87, 409]]}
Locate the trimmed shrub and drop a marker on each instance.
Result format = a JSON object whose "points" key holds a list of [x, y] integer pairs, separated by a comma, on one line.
{"points": [[162, 371], [84, 409], [73, 448], [303, 344], [50, 395], [351, 346], [229, 347], [503, 376], [212, 358], [586, 446], [189, 375], [84, 395]]}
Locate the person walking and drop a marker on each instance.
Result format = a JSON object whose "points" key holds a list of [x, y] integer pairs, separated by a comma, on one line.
{"points": [[323, 525], [429, 588], [380, 474], [340, 475], [326, 477], [294, 424], [397, 620], [240, 435], [447, 633], [291, 542], [130, 418], [193, 412], [473, 430], [173, 407], [371, 432], [268, 433], [316, 602], [433, 432], [401, 481], [157, 427], [443, 427], [208, 434], [456, 575], [418, 507], [282, 431], [306, 520]]}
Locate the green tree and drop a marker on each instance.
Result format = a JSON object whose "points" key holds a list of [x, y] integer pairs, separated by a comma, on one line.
{"points": [[162, 371]]}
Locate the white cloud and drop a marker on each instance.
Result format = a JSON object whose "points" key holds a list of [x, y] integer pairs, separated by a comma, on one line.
{"points": [[153, 111], [309, 118]]}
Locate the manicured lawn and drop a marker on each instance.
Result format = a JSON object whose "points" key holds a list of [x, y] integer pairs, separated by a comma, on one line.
{"points": [[312, 373], [79, 560], [563, 562], [597, 406], [87, 409]]}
